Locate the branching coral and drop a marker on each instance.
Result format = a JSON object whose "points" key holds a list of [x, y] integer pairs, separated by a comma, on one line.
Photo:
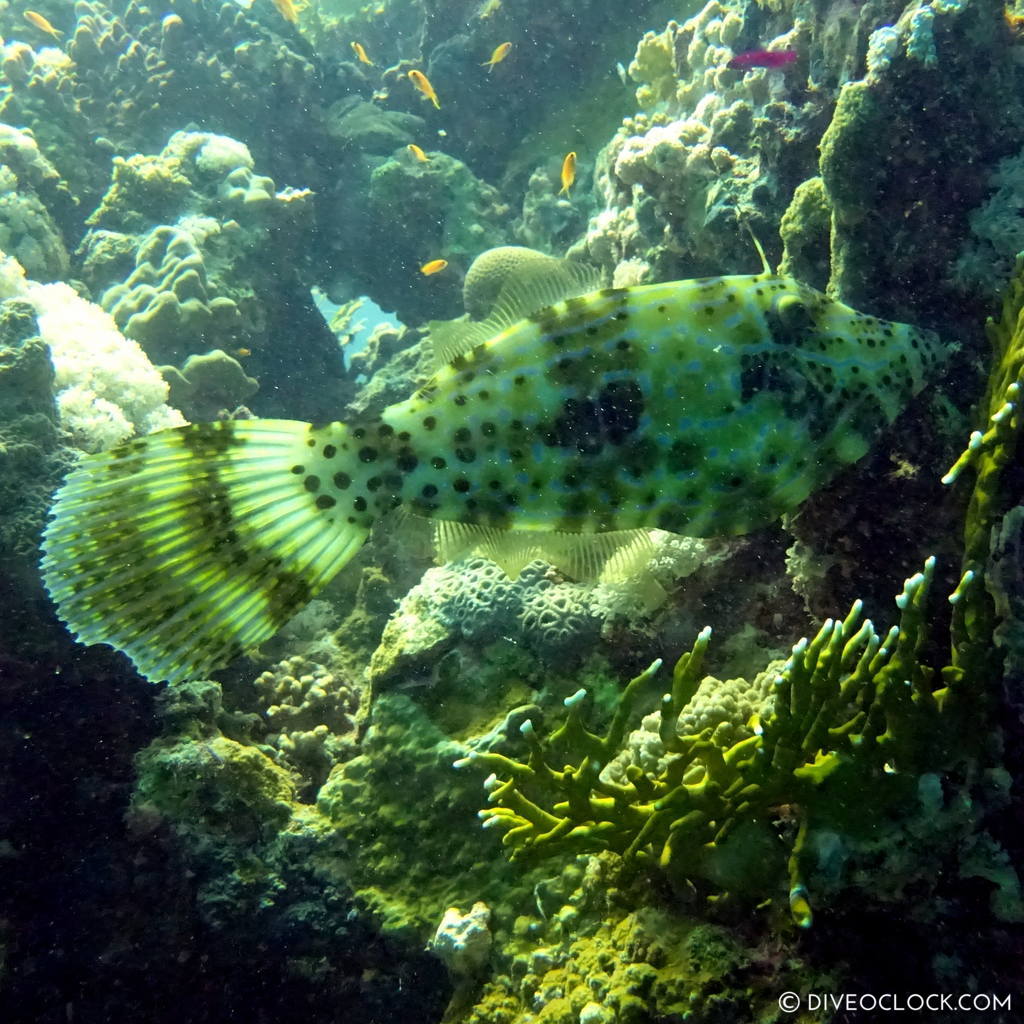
{"points": [[988, 453], [848, 698]]}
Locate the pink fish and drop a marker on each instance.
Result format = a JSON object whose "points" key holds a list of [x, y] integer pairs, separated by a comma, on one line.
{"points": [[762, 59]]}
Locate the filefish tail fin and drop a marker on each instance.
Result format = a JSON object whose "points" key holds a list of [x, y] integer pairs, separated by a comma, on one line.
{"points": [[185, 548]]}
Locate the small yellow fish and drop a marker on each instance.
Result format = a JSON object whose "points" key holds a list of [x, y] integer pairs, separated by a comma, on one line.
{"points": [[433, 267], [418, 153], [35, 19], [500, 53], [422, 83], [361, 54], [286, 8], [242, 352], [568, 173], [800, 907]]}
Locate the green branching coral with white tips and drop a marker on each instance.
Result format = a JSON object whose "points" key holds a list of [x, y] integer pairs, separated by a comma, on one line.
{"points": [[849, 698], [988, 453]]}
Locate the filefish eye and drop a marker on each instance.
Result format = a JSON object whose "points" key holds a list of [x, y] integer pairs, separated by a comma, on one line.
{"points": [[793, 311], [790, 319]]}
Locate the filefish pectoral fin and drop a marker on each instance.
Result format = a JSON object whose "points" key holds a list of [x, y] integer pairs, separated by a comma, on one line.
{"points": [[185, 548]]}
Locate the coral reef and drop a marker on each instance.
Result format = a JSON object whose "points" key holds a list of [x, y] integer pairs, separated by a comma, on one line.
{"points": [[457, 215], [29, 184], [297, 838], [708, 148], [900, 109], [267, 864], [582, 955], [175, 253], [32, 461]]}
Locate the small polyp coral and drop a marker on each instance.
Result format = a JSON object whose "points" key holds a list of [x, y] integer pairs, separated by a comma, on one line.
{"points": [[177, 255], [165, 302], [309, 713]]}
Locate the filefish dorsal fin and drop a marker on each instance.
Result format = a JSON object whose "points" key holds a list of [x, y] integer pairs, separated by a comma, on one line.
{"points": [[527, 289]]}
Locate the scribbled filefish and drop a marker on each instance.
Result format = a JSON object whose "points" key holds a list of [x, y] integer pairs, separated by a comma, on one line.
{"points": [[704, 407]]}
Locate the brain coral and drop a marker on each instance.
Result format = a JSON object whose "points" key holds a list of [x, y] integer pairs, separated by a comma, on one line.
{"points": [[488, 272], [540, 611]]}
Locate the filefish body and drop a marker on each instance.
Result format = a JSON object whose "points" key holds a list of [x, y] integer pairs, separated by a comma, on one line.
{"points": [[705, 407]]}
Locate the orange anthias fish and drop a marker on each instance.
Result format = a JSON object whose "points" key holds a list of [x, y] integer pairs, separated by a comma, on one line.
{"points": [[286, 8], [568, 173], [418, 153], [500, 53], [422, 83], [360, 52], [433, 267], [35, 19]]}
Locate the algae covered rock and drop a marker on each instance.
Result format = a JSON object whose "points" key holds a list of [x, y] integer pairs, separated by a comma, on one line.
{"points": [[208, 385]]}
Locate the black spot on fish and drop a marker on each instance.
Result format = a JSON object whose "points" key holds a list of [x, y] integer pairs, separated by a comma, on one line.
{"points": [[620, 406], [461, 485], [671, 519], [325, 501], [311, 483], [437, 462], [205, 439], [342, 481], [367, 454], [429, 423], [330, 451], [406, 461], [298, 470], [684, 456], [359, 504], [462, 435]]}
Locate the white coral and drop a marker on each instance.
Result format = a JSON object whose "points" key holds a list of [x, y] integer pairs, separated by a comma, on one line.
{"points": [[107, 389]]}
